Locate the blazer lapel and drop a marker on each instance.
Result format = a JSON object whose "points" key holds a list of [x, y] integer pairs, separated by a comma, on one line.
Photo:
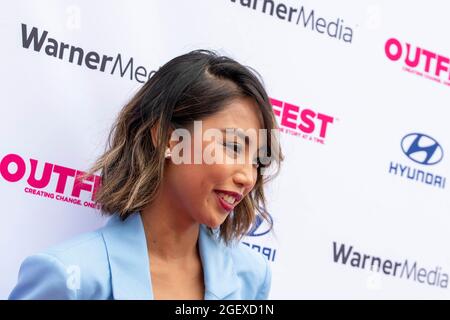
{"points": [[128, 258], [130, 266], [219, 275]]}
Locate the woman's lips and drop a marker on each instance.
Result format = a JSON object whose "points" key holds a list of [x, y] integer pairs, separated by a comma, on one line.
{"points": [[225, 205]]}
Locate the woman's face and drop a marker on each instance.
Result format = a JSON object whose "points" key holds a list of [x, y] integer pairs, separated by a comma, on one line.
{"points": [[199, 190]]}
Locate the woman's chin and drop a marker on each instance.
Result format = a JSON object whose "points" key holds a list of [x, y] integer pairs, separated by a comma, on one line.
{"points": [[213, 225], [214, 222]]}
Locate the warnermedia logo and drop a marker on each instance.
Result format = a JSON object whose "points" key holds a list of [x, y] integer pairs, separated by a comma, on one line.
{"points": [[308, 19], [42, 43], [400, 269]]}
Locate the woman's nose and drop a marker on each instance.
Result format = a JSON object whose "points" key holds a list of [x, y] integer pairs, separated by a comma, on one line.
{"points": [[246, 176]]}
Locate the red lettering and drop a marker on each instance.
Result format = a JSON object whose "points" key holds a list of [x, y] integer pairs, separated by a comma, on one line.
{"points": [[387, 49], [307, 116], [46, 174], [4, 167]]}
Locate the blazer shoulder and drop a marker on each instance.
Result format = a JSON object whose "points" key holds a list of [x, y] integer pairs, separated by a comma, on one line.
{"points": [[253, 269], [75, 269]]}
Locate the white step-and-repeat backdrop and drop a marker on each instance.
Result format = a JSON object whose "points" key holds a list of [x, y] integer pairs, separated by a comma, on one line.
{"points": [[361, 90]]}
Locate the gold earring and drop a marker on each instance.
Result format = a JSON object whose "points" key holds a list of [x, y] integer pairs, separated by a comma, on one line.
{"points": [[168, 153]]}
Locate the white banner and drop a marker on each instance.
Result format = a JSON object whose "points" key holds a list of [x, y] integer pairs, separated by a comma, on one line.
{"points": [[360, 89]]}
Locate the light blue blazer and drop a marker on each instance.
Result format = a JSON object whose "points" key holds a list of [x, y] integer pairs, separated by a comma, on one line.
{"points": [[112, 263]]}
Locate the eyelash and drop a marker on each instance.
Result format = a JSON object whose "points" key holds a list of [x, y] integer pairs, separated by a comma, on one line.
{"points": [[234, 145]]}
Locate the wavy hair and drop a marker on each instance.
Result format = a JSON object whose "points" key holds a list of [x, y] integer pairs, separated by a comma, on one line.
{"points": [[189, 87]]}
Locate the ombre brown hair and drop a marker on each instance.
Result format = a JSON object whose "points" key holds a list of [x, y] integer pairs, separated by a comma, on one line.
{"points": [[189, 87]]}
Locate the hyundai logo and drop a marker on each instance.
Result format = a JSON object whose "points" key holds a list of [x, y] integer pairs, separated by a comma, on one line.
{"points": [[260, 227], [422, 148]]}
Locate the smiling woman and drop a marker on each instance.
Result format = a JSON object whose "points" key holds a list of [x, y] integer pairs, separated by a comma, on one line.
{"points": [[175, 226]]}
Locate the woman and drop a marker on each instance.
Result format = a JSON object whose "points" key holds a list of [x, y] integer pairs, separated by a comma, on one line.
{"points": [[175, 221]]}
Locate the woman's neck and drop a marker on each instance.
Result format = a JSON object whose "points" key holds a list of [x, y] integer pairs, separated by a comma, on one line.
{"points": [[170, 235]]}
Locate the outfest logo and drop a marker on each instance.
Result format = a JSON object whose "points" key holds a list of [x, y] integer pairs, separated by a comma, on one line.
{"points": [[419, 61], [304, 123], [69, 188]]}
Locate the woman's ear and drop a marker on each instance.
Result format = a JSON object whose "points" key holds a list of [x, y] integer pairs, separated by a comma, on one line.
{"points": [[154, 134], [155, 137]]}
